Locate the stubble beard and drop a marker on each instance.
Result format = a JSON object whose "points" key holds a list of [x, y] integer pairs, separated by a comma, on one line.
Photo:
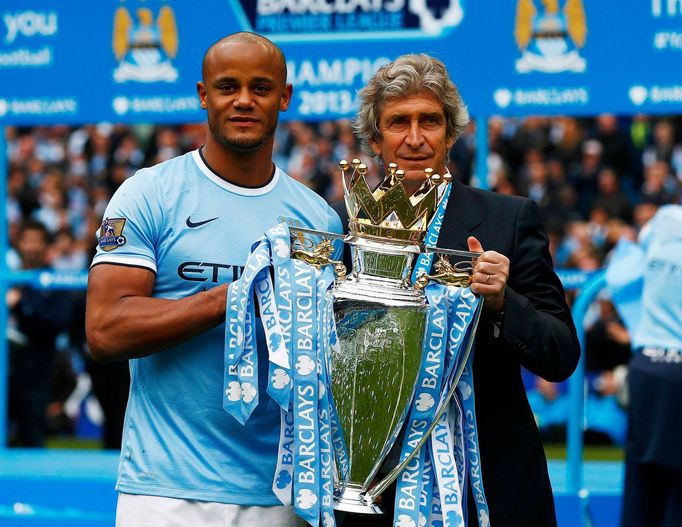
{"points": [[240, 144]]}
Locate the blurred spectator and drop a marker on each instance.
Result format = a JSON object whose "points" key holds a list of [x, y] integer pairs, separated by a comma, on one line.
{"points": [[550, 405], [128, 153], [346, 145], [643, 212], [659, 186], [302, 164], [640, 128], [664, 148], [97, 152], [583, 175], [598, 227], [567, 136], [165, 144], [38, 316], [326, 167], [618, 151], [65, 254], [609, 196], [607, 342], [51, 211], [462, 155]]}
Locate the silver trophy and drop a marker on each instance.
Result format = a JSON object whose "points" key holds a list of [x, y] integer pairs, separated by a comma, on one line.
{"points": [[380, 320]]}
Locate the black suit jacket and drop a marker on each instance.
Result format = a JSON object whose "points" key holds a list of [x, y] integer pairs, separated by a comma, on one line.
{"points": [[537, 333]]}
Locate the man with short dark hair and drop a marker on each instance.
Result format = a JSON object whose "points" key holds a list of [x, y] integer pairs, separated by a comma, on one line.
{"points": [[173, 237]]}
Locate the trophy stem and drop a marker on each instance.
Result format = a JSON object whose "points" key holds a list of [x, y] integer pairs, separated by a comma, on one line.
{"points": [[352, 498]]}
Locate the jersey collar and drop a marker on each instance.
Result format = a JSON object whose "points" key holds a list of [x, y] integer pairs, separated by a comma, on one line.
{"points": [[236, 189]]}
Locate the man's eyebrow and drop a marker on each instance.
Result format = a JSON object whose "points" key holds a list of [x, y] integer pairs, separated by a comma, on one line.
{"points": [[263, 79], [227, 78], [393, 115], [437, 115], [220, 80], [406, 113]]}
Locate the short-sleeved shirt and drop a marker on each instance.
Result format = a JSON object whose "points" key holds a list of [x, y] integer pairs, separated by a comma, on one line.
{"points": [[194, 230], [660, 323], [655, 383]]}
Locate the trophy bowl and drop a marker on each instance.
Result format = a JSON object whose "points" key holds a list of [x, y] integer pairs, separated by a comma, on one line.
{"points": [[380, 326]]}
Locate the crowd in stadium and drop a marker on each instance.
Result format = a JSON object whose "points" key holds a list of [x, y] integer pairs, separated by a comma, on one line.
{"points": [[594, 180]]}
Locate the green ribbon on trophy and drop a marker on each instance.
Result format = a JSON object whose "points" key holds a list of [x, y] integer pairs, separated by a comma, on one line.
{"points": [[356, 359]]}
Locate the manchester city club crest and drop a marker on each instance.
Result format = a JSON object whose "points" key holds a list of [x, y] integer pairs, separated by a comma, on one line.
{"points": [[144, 47], [550, 36], [111, 234]]}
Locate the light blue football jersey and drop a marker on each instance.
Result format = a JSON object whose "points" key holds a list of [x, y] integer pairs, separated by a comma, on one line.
{"points": [[660, 323], [195, 230]]}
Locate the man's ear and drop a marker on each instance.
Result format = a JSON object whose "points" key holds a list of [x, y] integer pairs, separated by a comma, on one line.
{"points": [[375, 145], [201, 90], [286, 97]]}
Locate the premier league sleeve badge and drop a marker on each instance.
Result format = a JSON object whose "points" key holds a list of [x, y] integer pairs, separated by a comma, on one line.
{"points": [[111, 234]]}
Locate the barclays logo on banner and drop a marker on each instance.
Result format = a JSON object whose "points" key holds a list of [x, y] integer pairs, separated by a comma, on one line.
{"points": [[306, 20], [655, 95], [550, 36], [38, 106], [155, 104], [144, 46], [541, 97]]}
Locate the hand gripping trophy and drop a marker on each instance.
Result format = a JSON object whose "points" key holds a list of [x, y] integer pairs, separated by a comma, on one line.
{"points": [[393, 355]]}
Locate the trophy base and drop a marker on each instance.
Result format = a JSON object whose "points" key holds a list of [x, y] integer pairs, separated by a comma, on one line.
{"points": [[352, 498]]}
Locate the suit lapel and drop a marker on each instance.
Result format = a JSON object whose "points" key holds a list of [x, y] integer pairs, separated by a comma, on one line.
{"points": [[462, 219]]}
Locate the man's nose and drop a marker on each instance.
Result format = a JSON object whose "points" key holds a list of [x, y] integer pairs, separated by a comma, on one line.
{"points": [[414, 135], [244, 100]]}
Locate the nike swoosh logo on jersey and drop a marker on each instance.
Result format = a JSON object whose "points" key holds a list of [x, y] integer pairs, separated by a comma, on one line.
{"points": [[193, 225]]}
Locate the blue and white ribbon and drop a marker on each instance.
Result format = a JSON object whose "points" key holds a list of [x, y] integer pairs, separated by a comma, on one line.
{"points": [[279, 372], [240, 390], [446, 473], [424, 260], [449, 461], [424, 405], [297, 315], [282, 485], [465, 391], [457, 427], [305, 398], [427, 487], [325, 317]]}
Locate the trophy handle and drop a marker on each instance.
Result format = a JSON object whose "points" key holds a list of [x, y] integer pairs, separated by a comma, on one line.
{"points": [[374, 492], [319, 254], [458, 275]]}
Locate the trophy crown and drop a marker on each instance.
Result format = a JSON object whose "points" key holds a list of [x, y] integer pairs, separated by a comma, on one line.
{"points": [[388, 212]]}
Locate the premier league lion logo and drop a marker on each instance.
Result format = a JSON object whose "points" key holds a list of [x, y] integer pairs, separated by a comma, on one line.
{"points": [[111, 234], [549, 36], [144, 47]]}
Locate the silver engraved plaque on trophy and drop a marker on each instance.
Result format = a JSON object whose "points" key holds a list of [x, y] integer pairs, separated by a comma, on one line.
{"points": [[380, 320]]}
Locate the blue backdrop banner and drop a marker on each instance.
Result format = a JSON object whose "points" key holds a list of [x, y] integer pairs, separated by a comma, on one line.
{"points": [[139, 60]]}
